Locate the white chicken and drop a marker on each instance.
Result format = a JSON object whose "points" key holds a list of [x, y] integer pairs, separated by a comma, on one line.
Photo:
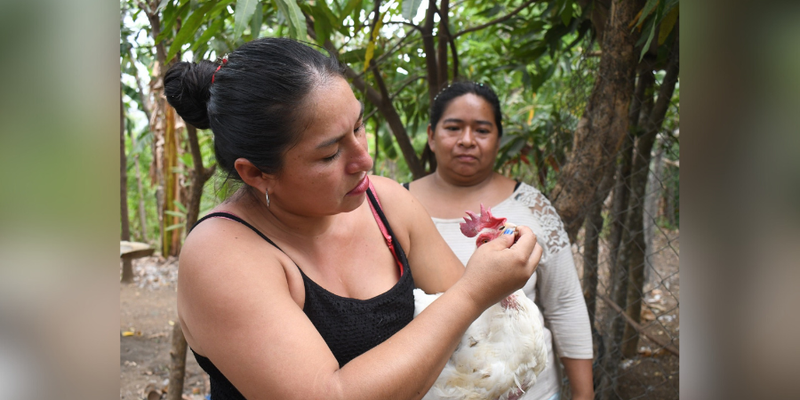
{"points": [[503, 351]]}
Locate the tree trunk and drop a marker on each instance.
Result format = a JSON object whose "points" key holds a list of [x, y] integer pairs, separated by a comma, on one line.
{"points": [[669, 205], [146, 108], [607, 366], [591, 251], [432, 69], [620, 207], [159, 121], [157, 117], [605, 120], [142, 213], [199, 175], [441, 58], [592, 228], [429, 46], [170, 242], [654, 191], [177, 366], [636, 226], [127, 265], [623, 184], [636, 247]]}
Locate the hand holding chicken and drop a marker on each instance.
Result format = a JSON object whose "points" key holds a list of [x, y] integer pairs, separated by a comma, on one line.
{"points": [[503, 350]]}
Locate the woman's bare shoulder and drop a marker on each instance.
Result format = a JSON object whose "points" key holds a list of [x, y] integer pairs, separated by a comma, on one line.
{"points": [[218, 239], [395, 198], [383, 183], [223, 266]]}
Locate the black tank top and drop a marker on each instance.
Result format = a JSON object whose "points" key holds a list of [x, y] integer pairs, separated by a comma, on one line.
{"points": [[349, 326]]}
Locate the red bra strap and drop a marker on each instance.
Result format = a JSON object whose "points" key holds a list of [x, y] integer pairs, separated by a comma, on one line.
{"points": [[385, 232]]}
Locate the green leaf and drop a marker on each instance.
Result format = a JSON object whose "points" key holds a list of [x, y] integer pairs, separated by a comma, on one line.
{"points": [[242, 14], [175, 213], [170, 17], [667, 24], [327, 13], [167, 20], [295, 18], [651, 27], [648, 8], [257, 21], [161, 6], [647, 44], [376, 32], [566, 13], [206, 36], [221, 6], [491, 12], [324, 21], [351, 5], [353, 56], [179, 205], [387, 144], [173, 227], [369, 53], [188, 29], [515, 144], [410, 8], [322, 29]]}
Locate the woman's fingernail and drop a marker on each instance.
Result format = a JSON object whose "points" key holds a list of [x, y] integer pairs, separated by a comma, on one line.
{"points": [[508, 231]]}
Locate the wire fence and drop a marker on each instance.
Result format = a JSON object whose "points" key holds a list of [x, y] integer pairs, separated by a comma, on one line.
{"points": [[651, 370], [627, 253], [634, 302]]}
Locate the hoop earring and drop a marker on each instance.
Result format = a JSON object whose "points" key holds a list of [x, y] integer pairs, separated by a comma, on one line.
{"points": [[267, 194]]}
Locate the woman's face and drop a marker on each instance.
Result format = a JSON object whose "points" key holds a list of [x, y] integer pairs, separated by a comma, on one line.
{"points": [[465, 140], [325, 173]]}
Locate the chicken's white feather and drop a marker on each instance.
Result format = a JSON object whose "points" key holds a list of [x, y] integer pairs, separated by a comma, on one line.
{"points": [[503, 350], [499, 356]]}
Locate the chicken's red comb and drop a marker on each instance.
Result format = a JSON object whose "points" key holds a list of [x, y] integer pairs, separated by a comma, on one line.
{"points": [[475, 224]]}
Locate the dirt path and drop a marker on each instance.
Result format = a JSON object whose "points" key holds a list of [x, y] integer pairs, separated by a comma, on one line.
{"points": [[147, 309]]}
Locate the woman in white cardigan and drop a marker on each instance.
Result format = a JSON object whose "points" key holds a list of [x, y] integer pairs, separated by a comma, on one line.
{"points": [[464, 134]]}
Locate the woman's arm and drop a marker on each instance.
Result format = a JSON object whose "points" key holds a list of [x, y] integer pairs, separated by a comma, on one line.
{"points": [[579, 372], [239, 313]]}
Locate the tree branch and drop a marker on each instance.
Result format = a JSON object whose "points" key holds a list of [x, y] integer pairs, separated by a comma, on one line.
{"points": [[430, 51], [667, 87], [417, 27], [497, 20], [385, 55], [384, 103], [444, 39], [405, 85], [453, 51], [666, 346]]}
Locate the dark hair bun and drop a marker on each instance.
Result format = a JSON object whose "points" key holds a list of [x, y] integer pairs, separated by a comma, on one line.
{"points": [[187, 86]]}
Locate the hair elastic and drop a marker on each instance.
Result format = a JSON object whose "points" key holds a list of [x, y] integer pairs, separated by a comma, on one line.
{"points": [[224, 61]]}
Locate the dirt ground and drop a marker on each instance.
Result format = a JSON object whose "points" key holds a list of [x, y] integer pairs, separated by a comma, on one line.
{"points": [[653, 373], [148, 310]]}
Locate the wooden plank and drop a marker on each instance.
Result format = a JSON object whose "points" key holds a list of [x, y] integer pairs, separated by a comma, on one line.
{"points": [[132, 250]]}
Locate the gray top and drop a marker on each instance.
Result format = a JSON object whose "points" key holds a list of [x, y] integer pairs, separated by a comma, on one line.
{"points": [[554, 286]]}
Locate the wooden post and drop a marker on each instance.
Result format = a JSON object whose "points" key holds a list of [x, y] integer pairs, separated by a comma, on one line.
{"points": [[127, 265]]}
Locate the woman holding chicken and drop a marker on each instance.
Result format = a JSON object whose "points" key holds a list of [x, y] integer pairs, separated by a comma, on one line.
{"points": [[464, 134], [299, 286]]}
